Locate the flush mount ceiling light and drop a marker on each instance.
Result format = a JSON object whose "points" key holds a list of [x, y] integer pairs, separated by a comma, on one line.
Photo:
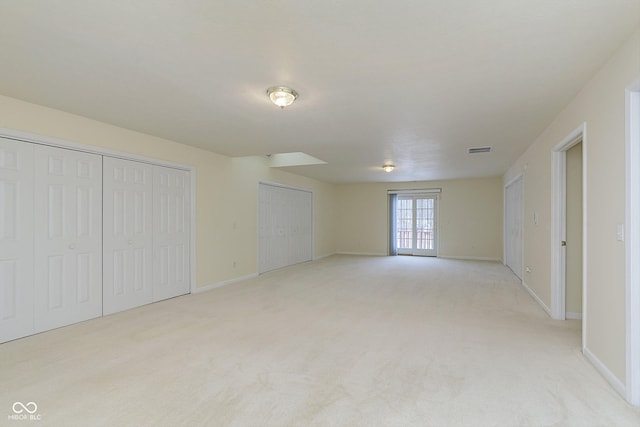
{"points": [[388, 167], [282, 96]]}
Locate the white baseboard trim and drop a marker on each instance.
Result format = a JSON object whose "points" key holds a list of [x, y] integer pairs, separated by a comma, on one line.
{"points": [[361, 253], [538, 300], [617, 385], [223, 283], [471, 258], [573, 316], [324, 256]]}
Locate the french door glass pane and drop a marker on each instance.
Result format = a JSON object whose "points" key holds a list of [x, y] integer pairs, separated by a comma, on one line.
{"points": [[404, 224], [425, 224]]}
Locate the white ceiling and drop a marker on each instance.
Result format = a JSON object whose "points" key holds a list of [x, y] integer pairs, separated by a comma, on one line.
{"points": [[415, 82]]}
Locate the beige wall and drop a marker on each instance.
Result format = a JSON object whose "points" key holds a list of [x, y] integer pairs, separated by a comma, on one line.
{"points": [[226, 188], [470, 217], [601, 104]]}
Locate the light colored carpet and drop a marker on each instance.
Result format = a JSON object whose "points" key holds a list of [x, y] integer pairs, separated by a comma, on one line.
{"points": [[344, 341]]}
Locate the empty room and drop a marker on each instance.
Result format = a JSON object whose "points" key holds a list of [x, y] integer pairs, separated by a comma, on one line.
{"points": [[295, 213]]}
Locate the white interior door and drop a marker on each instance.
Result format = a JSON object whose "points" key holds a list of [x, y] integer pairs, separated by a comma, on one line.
{"points": [[127, 234], [416, 225], [513, 226], [16, 239], [68, 237], [171, 228]]}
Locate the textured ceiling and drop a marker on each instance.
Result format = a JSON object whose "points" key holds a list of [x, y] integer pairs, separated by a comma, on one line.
{"points": [[412, 82]]}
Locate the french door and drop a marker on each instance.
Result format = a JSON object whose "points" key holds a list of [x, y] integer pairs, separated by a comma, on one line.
{"points": [[416, 225]]}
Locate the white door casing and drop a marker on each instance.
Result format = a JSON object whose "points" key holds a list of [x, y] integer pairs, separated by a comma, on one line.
{"points": [[573, 232], [16, 239], [632, 242], [171, 225], [127, 234], [68, 237]]}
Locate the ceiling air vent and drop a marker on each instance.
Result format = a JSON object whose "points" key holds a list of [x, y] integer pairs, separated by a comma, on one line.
{"points": [[476, 150]]}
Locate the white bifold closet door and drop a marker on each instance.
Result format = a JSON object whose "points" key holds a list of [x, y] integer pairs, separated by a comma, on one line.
{"points": [[55, 266], [514, 226], [285, 226], [171, 229], [300, 227], [68, 237], [272, 237], [128, 234], [16, 239], [146, 234]]}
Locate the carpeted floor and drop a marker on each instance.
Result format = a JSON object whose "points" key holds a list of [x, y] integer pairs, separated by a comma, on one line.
{"points": [[344, 341]]}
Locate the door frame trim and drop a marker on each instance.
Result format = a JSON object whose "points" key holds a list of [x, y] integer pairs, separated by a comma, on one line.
{"points": [[559, 222], [632, 240], [92, 149]]}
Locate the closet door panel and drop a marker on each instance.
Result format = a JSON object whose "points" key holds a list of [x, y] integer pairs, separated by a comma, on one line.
{"points": [[300, 237], [16, 239], [128, 234], [264, 228], [68, 237], [303, 241], [513, 227], [171, 229], [285, 226], [279, 247]]}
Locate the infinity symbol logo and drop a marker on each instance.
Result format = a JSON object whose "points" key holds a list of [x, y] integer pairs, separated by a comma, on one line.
{"points": [[20, 407]]}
